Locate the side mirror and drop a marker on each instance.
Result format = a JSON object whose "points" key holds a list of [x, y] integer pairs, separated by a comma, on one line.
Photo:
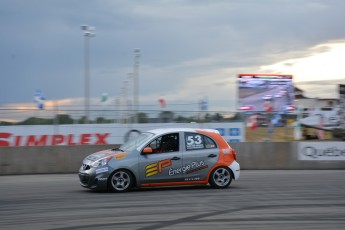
{"points": [[147, 150]]}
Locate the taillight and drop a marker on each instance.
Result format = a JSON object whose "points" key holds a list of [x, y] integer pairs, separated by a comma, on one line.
{"points": [[234, 154]]}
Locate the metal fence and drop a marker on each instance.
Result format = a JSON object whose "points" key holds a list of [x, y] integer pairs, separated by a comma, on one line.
{"points": [[76, 114]]}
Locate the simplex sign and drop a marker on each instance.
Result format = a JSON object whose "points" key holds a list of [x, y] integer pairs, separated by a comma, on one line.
{"points": [[321, 151], [9, 139], [100, 134]]}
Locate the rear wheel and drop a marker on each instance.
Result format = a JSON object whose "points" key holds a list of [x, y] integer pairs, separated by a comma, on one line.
{"points": [[220, 177], [121, 181]]}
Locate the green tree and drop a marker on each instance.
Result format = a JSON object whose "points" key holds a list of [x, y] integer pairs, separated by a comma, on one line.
{"points": [[63, 119], [181, 119], [208, 117], [217, 117], [82, 120], [36, 121], [142, 118], [166, 116], [102, 120]]}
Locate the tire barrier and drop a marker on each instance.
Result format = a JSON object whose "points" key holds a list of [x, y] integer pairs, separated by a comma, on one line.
{"points": [[130, 134]]}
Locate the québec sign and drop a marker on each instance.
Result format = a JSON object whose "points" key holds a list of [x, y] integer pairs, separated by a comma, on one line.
{"points": [[321, 151], [9, 139]]}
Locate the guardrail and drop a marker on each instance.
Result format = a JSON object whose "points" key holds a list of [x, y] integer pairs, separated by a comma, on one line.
{"points": [[258, 155]]}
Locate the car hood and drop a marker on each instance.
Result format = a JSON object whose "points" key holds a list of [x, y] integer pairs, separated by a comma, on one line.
{"points": [[101, 154]]}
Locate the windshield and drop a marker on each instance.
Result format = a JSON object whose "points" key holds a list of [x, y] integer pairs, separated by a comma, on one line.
{"points": [[134, 143]]}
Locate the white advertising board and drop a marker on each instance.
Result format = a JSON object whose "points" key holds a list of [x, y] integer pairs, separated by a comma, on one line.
{"points": [[97, 134], [321, 151]]}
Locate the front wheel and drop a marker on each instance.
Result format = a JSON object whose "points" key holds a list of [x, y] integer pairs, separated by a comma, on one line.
{"points": [[220, 177], [121, 181]]}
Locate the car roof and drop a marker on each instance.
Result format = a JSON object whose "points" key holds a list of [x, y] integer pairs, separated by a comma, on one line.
{"points": [[171, 130]]}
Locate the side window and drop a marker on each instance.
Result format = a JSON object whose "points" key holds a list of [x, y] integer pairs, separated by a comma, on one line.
{"points": [[209, 143], [165, 143], [195, 141]]}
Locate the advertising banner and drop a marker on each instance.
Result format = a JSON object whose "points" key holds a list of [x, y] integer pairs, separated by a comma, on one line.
{"points": [[266, 93], [321, 151], [100, 134], [342, 106]]}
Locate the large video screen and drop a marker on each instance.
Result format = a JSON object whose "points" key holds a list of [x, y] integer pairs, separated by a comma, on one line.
{"points": [[266, 93]]}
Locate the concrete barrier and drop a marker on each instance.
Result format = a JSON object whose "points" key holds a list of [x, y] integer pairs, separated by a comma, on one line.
{"points": [[45, 159], [281, 155], [67, 159]]}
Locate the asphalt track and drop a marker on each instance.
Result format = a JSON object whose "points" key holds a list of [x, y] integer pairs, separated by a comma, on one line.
{"points": [[259, 200]]}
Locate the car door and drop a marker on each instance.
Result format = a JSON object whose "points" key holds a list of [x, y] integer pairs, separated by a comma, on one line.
{"points": [[200, 155], [164, 164]]}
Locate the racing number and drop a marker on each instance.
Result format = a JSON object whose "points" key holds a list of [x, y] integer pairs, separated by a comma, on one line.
{"points": [[194, 140]]}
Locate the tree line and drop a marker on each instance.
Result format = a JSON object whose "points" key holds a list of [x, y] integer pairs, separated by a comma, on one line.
{"points": [[163, 117]]}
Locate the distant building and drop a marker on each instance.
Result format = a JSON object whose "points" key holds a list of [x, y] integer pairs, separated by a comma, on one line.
{"points": [[307, 103]]}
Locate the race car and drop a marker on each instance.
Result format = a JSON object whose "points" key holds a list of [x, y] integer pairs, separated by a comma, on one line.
{"points": [[247, 107], [267, 97], [163, 157]]}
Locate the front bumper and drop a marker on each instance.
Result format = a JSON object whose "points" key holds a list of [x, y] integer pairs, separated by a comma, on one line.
{"points": [[94, 178]]}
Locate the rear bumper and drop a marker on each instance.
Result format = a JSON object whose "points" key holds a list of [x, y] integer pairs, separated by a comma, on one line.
{"points": [[235, 168]]}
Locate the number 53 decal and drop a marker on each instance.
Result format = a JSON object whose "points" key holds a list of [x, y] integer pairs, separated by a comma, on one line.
{"points": [[194, 140]]}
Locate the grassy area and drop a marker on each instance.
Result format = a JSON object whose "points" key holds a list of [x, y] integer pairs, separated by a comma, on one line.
{"points": [[280, 134]]}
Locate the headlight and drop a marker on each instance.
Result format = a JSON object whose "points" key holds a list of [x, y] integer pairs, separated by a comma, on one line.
{"points": [[100, 162]]}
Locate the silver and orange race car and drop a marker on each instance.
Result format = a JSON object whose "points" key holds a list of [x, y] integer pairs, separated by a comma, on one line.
{"points": [[163, 157]]}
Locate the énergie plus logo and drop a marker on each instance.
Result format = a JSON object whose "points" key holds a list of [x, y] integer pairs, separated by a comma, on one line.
{"points": [[157, 167], [188, 168]]}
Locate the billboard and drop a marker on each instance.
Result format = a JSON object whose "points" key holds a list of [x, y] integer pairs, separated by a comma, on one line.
{"points": [[266, 93], [342, 105], [101, 134]]}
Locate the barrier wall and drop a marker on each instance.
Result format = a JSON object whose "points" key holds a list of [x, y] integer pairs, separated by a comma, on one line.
{"points": [[261, 155]]}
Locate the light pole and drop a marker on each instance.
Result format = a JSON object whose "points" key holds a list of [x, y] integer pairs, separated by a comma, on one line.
{"points": [[87, 35], [136, 84], [130, 109], [125, 101]]}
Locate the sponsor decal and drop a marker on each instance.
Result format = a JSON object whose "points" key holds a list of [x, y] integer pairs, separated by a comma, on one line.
{"points": [[221, 131], [193, 179], [101, 170], [188, 168], [322, 151], [8, 139], [211, 146], [234, 132], [234, 140], [155, 168], [226, 151], [197, 169], [102, 179], [119, 157]]}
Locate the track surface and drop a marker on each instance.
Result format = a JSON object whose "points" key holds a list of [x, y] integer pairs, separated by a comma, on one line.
{"points": [[259, 200]]}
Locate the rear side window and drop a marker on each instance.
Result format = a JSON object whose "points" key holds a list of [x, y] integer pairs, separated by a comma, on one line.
{"points": [[196, 141]]}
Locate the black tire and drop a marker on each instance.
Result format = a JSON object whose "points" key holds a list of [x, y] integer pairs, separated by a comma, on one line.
{"points": [[220, 177], [121, 181]]}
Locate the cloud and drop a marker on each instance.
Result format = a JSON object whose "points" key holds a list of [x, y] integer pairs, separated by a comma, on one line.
{"points": [[323, 61]]}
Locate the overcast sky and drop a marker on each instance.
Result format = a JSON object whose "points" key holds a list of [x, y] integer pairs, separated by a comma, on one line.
{"points": [[190, 49]]}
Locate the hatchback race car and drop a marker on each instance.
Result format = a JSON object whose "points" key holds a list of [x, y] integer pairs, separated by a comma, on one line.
{"points": [[163, 157]]}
